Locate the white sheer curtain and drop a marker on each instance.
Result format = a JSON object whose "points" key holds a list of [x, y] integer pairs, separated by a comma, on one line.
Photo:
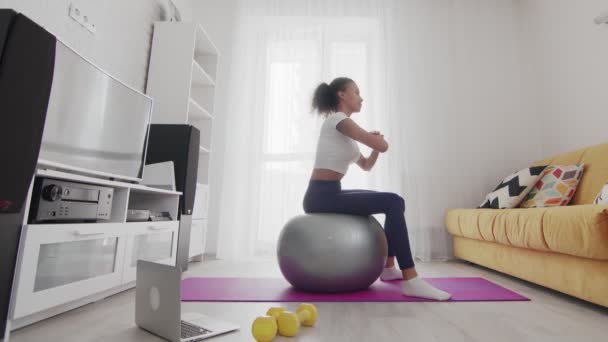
{"points": [[410, 59]]}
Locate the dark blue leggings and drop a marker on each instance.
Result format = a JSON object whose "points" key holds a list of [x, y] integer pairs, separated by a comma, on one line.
{"points": [[328, 197]]}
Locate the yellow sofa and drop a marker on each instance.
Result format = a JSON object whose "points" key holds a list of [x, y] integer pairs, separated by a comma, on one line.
{"points": [[562, 248]]}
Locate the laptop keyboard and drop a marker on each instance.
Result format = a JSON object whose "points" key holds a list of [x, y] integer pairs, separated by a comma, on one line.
{"points": [[191, 330]]}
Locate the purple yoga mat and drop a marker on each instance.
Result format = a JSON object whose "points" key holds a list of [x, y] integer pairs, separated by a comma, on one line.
{"points": [[279, 290]]}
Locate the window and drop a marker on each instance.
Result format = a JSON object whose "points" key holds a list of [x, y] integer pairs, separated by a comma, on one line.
{"points": [[296, 60]]}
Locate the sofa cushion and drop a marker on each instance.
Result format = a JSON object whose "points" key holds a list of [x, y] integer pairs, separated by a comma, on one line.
{"points": [[580, 230], [555, 187]]}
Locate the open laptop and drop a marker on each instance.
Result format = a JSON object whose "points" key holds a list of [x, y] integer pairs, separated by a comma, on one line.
{"points": [[158, 306]]}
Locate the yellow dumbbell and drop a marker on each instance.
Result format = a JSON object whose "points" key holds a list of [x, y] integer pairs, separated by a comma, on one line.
{"points": [[289, 322], [264, 328], [275, 312]]}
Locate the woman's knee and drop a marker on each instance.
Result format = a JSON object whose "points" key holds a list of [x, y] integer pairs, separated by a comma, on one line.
{"points": [[306, 204], [310, 207], [397, 202]]}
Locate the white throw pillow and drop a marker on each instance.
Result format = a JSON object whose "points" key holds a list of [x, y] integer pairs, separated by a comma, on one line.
{"points": [[602, 197], [512, 190]]}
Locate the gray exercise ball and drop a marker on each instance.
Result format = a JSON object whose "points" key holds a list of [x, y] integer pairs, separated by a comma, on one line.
{"points": [[324, 252]]}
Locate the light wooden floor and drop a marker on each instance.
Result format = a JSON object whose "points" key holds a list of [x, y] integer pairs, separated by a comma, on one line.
{"points": [[550, 316]]}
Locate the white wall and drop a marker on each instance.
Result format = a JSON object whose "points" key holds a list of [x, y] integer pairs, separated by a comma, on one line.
{"points": [[568, 56], [555, 97], [217, 17], [122, 43]]}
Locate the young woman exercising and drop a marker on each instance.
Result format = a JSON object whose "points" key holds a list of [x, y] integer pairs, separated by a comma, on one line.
{"points": [[336, 150]]}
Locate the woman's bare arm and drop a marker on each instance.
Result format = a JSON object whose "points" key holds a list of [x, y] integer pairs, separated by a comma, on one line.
{"points": [[368, 163], [350, 128]]}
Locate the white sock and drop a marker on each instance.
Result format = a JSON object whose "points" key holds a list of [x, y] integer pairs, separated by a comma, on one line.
{"points": [[417, 287], [391, 273]]}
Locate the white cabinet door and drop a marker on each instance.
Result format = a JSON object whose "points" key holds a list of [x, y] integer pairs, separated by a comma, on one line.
{"points": [[150, 241], [204, 233], [65, 262], [197, 237], [201, 201]]}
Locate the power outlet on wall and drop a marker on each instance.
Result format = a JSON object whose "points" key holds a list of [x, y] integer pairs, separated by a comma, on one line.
{"points": [[83, 19]]}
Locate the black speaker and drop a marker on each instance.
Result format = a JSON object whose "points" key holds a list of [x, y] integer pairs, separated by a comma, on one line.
{"points": [[26, 74], [6, 20], [179, 144]]}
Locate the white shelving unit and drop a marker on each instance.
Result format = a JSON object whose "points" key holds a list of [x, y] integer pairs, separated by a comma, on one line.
{"points": [[65, 265], [182, 79]]}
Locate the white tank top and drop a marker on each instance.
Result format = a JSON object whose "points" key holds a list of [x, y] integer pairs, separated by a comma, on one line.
{"points": [[335, 151]]}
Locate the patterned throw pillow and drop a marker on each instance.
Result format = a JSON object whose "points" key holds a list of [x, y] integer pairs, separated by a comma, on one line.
{"points": [[602, 197], [556, 187], [510, 192]]}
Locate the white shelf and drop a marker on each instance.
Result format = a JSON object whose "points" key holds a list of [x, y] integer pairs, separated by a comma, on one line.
{"points": [[204, 45], [98, 181], [201, 202], [197, 112], [199, 77], [182, 79], [108, 248], [203, 169]]}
